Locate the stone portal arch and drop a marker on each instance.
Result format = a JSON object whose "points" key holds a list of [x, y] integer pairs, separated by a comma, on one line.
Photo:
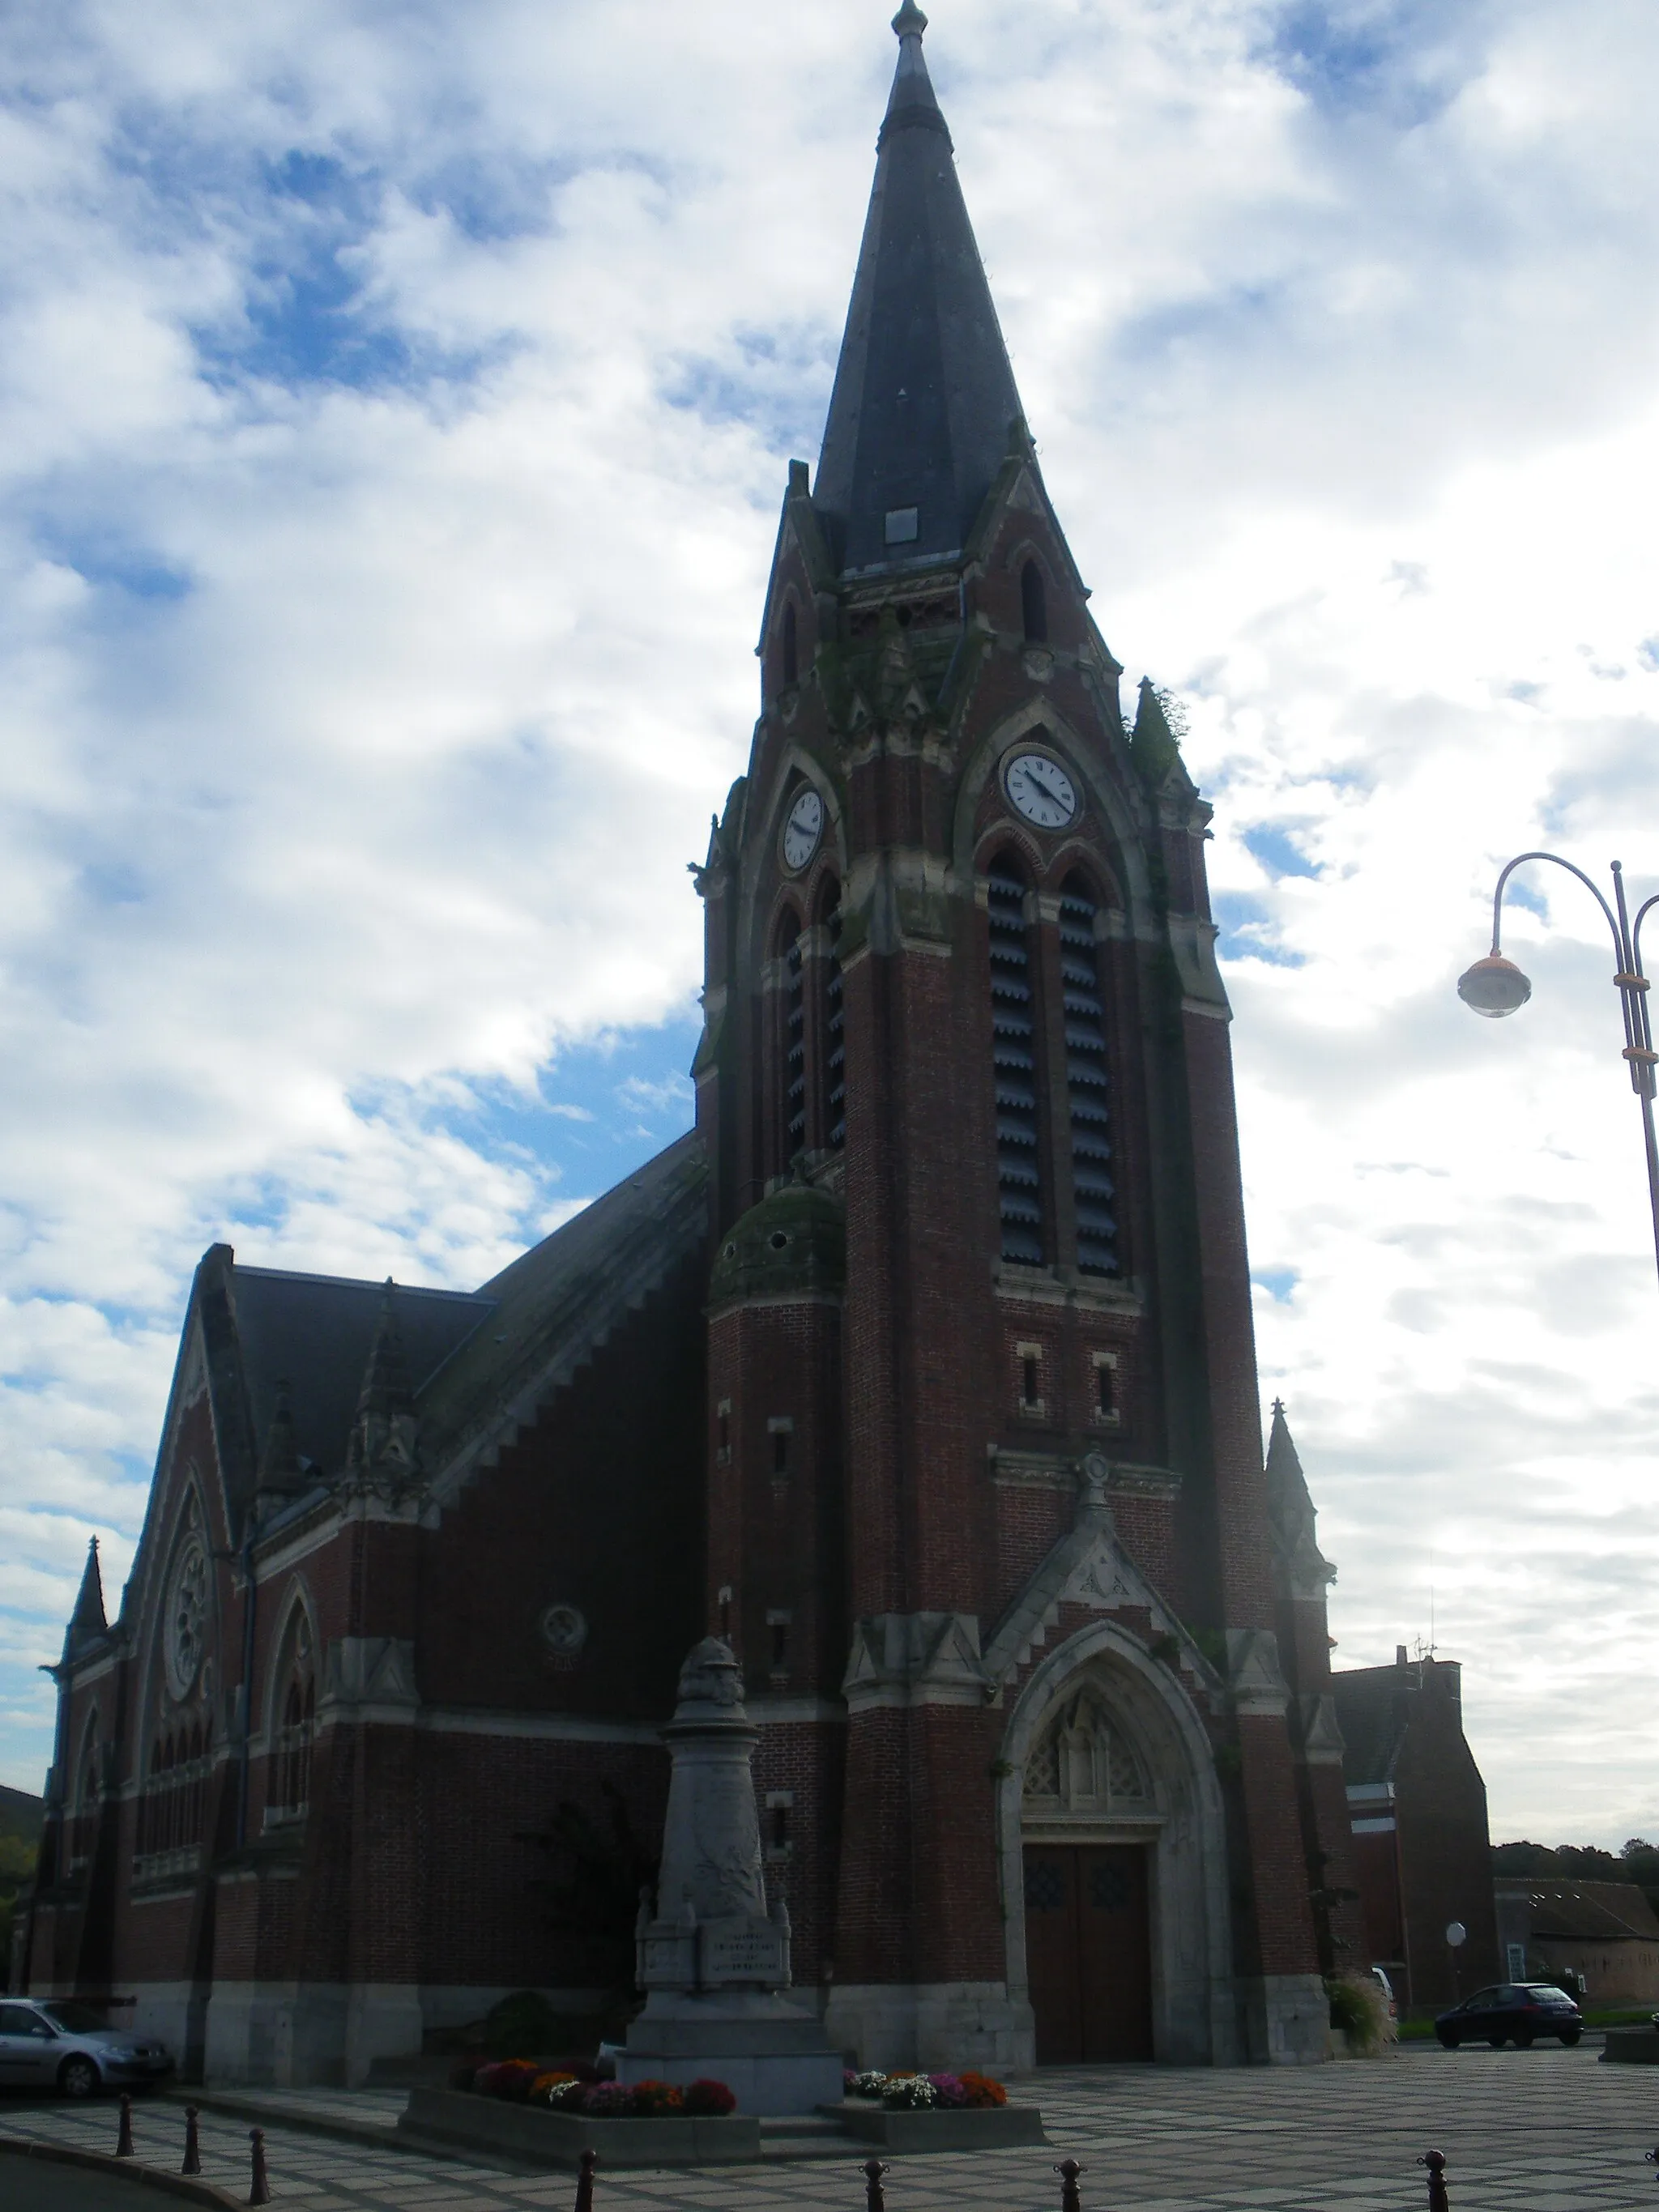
{"points": [[1103, 1747]]}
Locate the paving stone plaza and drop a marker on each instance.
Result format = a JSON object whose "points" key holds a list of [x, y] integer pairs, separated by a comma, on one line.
{"points": [[1547, 2131]]}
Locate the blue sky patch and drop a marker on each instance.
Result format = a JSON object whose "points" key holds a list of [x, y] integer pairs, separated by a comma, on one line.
{"points": [[1270, 844], [109, 563], [777, 381], [1391, 57], [1247, 931]]}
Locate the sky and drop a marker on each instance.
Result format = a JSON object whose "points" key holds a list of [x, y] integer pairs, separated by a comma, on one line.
{"points": [[395, 406]]}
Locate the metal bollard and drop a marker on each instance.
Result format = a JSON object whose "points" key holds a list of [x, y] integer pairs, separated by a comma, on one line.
{"points": [[1435, 2162], [260, 2192], [1068, 2169], [875, 2198], [193, 2142], [584, 2182], [123, 2139]]}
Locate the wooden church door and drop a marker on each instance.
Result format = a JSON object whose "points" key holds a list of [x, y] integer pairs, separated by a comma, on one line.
{"points": [[1088, 1951]]}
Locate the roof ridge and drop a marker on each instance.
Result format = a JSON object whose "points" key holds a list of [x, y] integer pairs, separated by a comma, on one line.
{"points": [[350, 1282]]}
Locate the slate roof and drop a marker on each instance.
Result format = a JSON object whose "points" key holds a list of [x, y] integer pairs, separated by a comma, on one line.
{"points": [[552, 1308], [1371, 1712], [315, 1333], [924, 394], [477, 1361], [1584, 1911]]}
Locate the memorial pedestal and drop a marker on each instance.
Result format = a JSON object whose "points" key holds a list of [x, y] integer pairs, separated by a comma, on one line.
{"points": [[770, 2053], [713, 1960]]}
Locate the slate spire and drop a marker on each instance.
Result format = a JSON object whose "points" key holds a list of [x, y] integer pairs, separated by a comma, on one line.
{"points": [[1290, 1510], [385, 1432], [280, 1467], [88, 1622], [924, 399]]}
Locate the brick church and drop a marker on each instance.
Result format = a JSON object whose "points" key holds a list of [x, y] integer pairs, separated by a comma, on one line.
{"points": [[921, 1370]]}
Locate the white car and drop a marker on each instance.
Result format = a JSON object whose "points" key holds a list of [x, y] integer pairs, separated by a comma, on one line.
{"points": [[64, 2045]]}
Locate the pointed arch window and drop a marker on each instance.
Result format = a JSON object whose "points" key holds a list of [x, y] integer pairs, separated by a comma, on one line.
{"points": [[88, 1799], [1013, 1048], [793, 1055], [1034, 603], [791, 645], [1087, 1079], [172, 1808], [834, 1035], [296, 1729]]}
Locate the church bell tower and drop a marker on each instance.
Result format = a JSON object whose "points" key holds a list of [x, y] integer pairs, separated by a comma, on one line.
{"points": [[986, 1517]]}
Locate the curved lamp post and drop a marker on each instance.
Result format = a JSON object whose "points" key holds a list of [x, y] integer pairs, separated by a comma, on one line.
{"points": [[1496, 987]]}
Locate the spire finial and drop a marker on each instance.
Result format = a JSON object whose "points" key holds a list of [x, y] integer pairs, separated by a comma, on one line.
{"points": [[909, 22]]}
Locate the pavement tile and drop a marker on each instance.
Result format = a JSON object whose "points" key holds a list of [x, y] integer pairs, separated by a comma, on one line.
{"points": [[1546, 2131]]}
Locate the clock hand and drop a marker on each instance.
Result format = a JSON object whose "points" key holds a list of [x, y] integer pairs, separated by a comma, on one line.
{"points": [[1047, 789]]}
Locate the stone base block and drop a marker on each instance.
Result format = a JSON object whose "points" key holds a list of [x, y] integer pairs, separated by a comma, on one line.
{"points": [[1631, 2046], [770, 2053], [1285, 2020], [938, 2130], [525, 2134], [939, 2026], [772, 2084]]}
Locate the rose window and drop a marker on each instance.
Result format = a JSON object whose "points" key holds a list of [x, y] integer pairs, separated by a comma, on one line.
{"points": [[186, 1616]]}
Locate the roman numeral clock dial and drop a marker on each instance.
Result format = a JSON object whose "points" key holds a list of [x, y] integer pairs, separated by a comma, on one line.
{"points": [[1041, 789], [803, 829]]}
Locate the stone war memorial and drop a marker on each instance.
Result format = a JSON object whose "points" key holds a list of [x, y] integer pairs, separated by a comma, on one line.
{"points": [[713, 1958], [916, 1382]]}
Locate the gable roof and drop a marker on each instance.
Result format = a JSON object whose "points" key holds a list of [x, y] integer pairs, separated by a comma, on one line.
{"points": [[1595, 1911]]}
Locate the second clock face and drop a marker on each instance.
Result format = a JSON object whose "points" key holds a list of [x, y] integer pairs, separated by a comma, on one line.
{"points": [[1042, 790], [802, 831]]}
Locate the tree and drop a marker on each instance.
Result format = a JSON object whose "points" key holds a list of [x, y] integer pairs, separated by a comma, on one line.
{"points": [[16, 1872]]}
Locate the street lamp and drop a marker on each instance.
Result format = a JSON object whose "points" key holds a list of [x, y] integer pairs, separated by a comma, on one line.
{"points": [[1496, 987]]}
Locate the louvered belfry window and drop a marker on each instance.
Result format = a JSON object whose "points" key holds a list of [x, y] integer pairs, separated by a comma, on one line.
{"points": [[834, 1038], [1086, 1081], [1019, 1182], [794, 1046]]}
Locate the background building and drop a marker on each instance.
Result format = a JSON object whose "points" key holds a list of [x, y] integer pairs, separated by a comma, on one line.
{"points": [[923, 1371], [1418, 1808], [1605, 1933]]}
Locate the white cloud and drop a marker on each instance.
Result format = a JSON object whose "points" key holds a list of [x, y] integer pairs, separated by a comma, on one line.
{"points": [[395, 405]]}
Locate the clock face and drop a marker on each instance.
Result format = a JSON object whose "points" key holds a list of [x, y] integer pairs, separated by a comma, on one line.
{"points": [[1042, 790], [803, 829]]}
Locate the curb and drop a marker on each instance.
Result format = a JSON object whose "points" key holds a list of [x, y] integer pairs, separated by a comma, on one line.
{"points": [[129, 2169], [365, 2133]]}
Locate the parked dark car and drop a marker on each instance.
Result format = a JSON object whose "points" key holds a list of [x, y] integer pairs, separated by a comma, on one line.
{"points": [[60, 2045], [1511, 2011]]}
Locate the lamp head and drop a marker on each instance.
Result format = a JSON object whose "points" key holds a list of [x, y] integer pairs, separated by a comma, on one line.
{"points": [[1494, 986]]}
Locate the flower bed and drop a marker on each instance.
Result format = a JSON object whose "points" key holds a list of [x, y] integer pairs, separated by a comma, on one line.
{"points": [[921, 2093], [505, 2118], [564, 2089], [934, 2111]]}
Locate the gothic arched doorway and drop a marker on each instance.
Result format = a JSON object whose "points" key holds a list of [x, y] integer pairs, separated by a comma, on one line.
{"points": [[1088, 1819], [1113, 1861]]}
